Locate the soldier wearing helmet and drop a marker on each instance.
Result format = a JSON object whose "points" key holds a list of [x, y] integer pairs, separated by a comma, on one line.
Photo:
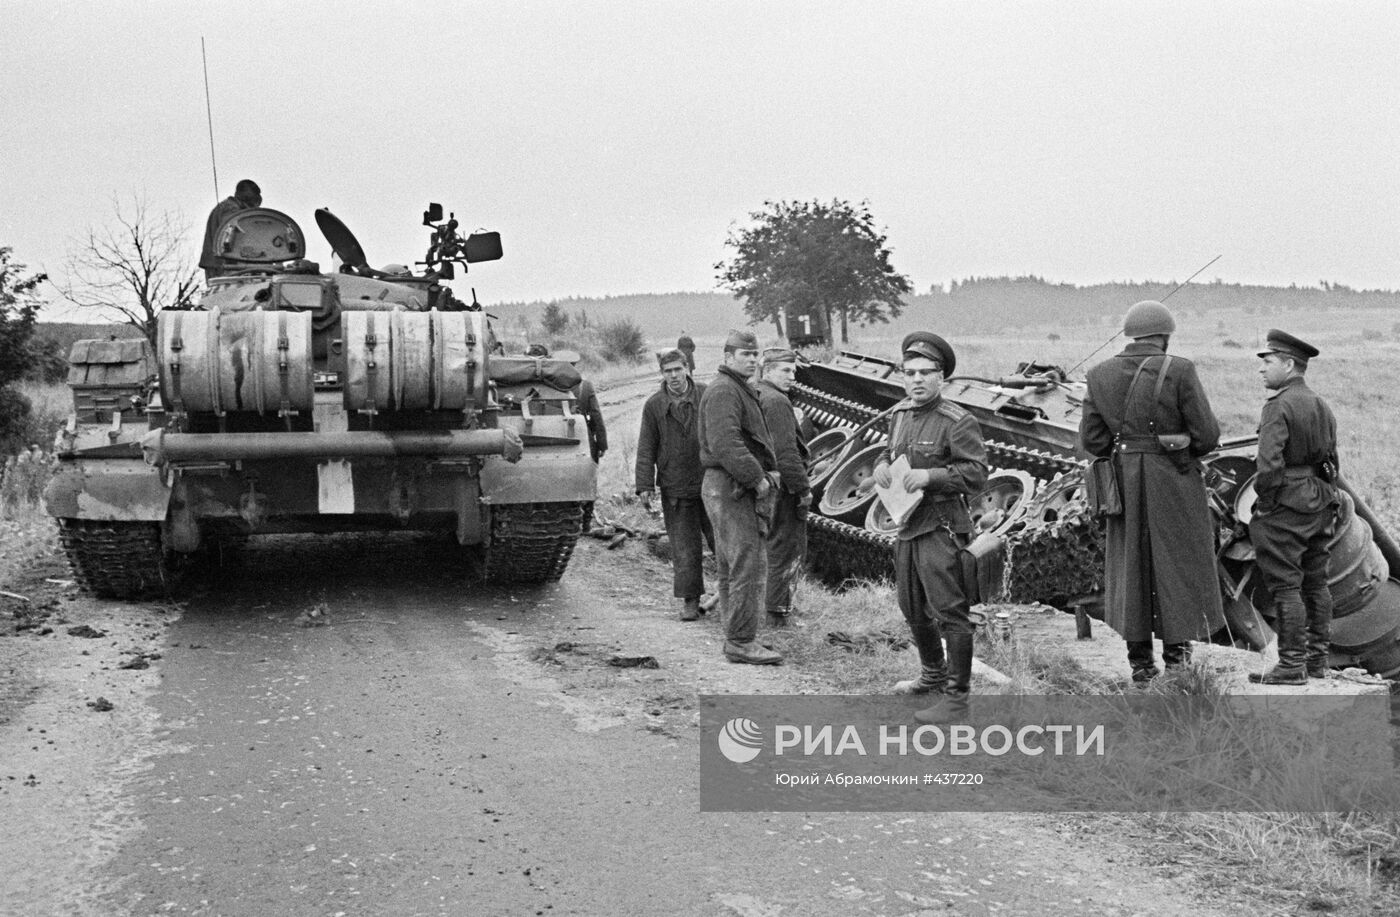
{"points": [[1147, 410]]}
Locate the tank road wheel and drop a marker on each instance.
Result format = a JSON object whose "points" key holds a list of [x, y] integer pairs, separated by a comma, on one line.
{"points": [[116, 560], [531, 543]]}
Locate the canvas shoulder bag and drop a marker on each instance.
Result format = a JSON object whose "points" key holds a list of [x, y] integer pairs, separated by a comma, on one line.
{"points": [[1102, 489]]}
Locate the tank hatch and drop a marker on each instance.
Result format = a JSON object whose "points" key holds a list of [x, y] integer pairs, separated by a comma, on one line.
{"points": [[342, 240], [259, 236]]}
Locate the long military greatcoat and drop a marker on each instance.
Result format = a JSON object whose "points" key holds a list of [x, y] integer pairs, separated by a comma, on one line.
{"points": [[1160, 572]]}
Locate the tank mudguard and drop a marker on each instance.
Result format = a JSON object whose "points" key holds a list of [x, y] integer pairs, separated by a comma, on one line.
{"points": [[126, 490], [541, 476]]}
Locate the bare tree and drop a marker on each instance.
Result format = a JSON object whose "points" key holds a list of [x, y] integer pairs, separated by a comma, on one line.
{"points": [[134, 266]]}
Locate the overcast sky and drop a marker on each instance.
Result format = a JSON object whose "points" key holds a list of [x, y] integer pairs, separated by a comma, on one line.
{"points": [[615, 144]]}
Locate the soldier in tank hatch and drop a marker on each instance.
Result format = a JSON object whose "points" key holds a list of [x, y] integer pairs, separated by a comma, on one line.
{"points": [[246, 196]]}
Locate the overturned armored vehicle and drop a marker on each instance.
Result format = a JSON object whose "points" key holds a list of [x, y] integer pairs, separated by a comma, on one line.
{"points": [[292, 400], [1037, 541]]}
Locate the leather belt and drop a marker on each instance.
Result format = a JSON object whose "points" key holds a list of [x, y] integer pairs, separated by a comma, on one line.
{"points": [[1300, 472], [1130, 444]]}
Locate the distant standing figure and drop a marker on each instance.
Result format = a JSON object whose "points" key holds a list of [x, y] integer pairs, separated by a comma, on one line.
{"points": [[787, 533], [668, 458], [246, 196], [1149, 412], [686, 345], [740, 474], [1296, 511]]}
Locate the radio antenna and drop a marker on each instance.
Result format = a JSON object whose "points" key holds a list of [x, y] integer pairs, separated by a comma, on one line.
{"points": [[209, 114], [1163, 299]]}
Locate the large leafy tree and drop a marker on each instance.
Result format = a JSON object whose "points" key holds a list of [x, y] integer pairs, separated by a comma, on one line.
{"points": [[133, 267], [19, 307], [804, 256]]}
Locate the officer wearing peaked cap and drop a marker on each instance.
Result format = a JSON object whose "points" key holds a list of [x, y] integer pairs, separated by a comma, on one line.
{"points": [[1296, 508], [1147, 410], [943, 445]]}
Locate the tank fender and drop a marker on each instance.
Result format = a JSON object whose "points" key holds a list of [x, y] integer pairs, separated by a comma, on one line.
{"points": [[112, 490]]}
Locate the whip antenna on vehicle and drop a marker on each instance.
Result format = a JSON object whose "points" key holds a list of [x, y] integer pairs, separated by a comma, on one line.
{"points": [[1163, 299], [209, 114]]}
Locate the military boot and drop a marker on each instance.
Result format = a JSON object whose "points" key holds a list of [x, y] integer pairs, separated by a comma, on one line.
{"points": [[1176, 655], [952, 706], [1142, 661], [1319, 637], [1292, 649], [933, 665], [690, 611]]}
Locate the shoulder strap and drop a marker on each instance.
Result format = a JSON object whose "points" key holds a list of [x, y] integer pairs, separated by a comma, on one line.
{"points": [[1132, 386]]}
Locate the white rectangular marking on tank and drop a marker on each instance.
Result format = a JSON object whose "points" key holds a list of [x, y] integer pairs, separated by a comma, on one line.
{"points": [[336, 487]]}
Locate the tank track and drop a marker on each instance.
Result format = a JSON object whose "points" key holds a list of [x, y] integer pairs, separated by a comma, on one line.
{"points": [[532, 542], [116, 560], [838, 552], [828, 411]]}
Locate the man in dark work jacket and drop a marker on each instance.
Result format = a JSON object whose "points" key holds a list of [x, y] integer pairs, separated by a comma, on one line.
{"points": [[787, 535], [943, 444], [1159, 554], [1296, 510], [668, 457], [740, 474]]}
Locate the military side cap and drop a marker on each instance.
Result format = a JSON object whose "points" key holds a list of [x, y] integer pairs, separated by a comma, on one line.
{"points": [[669, 355], [927, 344], [1286, 344], [1147, 318], [741, 340], [778, 355]]}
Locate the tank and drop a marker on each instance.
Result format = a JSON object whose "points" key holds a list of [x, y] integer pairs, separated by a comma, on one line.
{"points": [[1037, 541], [292, 400]]}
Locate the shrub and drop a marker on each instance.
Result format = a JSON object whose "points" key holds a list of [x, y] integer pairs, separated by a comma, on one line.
{"points": [[554, 319], [1371, 334], [621, 340], [1232, 343], [15, 412]]}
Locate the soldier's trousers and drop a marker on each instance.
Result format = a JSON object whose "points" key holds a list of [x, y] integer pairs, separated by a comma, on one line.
{"points": [[740, 553], [929, 582], [688, 528], [787, 548], [1291, 552]]}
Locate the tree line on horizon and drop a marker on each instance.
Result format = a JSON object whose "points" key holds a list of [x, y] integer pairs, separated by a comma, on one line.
{"points": [[980, 304]]}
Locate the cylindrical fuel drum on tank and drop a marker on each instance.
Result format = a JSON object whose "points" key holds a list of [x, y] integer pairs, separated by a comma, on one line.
{"points": [[414, 360], [219, 362]]}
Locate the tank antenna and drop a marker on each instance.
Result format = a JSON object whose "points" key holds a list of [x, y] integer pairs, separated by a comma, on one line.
{"points": [[209, 114], [1163, 299]]}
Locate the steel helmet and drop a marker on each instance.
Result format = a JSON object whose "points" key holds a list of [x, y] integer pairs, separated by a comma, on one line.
{"points": [[1147, 318]]}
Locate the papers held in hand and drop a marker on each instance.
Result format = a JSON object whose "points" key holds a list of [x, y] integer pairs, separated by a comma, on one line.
{"points": [[898, 502]]}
